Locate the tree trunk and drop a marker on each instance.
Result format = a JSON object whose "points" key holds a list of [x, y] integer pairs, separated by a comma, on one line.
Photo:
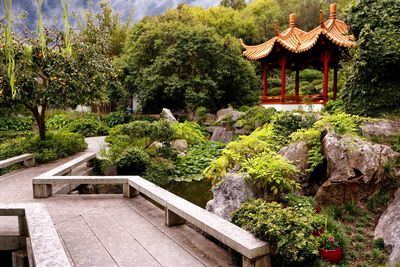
{"points": [[40, 121]]}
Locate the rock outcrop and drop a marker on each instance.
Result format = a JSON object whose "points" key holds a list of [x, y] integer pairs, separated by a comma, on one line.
{"points": [[229, 195], [167, 114], [380, 128], [228, 112], [221, 134], [180, 146], [388, 229], [355, 168], [298, 154]]}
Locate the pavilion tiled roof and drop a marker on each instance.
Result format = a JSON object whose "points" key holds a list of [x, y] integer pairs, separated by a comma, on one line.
{"points": [[298, 41]]}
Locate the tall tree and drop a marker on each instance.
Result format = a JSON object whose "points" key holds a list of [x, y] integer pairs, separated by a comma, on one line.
{"points": [[373, 83]]}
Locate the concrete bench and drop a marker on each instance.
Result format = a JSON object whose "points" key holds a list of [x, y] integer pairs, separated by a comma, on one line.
{"points": [[177, 211], [36, 233], [27, 159]]}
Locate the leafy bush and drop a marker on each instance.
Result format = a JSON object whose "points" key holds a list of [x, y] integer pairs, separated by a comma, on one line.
{"points": [[313, 139], [88, 127], [245, 147], [310, 75], [288, 230], [257, 116], [16, 124], [286, 123], [13, 147], [272, 173], [57, 145], [197, 159], [116, 118], [340, 123], [132, 161], [7, 135], [58, 122], [190, 131], [159, 171]]}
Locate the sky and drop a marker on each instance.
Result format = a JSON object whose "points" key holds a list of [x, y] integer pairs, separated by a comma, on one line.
{"points": [[52, 8]]}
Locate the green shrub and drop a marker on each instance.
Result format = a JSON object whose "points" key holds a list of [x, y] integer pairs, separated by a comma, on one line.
{"points": [[339, 123], [57, 122], [190, 131], [159, 171], [132, 161], [257, 116], [197, 159], [16, 124], [116, 118], [13, 147], [88, 127], [313, 139], [286, 123], [7, 135], [288, 230], [57, 145], [310, 75], [273, 173]]}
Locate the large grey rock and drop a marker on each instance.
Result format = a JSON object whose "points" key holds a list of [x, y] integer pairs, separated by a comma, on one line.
{"points": [[167, 114], [388, 228], [355, 168], [228, 112], [229, 195], [381, 128], [220, 134], [180, 146], [298, 154]]}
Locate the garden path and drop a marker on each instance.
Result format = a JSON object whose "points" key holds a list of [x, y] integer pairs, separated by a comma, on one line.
{"points": [[109, 230]]}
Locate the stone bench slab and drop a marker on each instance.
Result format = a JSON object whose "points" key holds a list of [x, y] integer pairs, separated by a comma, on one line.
{"points": [[11, 161]]}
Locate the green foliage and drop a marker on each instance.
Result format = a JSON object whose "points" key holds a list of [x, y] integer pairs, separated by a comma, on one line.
{"points": [[288, 230], [245, 147], [313, 139], [257, 116], [197, 159], [340, 123], [190, 131], [173, 64], [273, 173], [372, 85], [56, 145], [286, 123], [88, 127], [159, 171], [16, 124], [58, 122], [235, 4], [115, 118], [132, 161], [13, 147]]}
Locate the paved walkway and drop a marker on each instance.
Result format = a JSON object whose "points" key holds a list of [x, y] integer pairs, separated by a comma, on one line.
{"points": [[108, 230]]}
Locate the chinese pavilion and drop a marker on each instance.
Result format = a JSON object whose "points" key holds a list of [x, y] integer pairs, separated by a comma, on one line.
{"points": [[295, 49]]}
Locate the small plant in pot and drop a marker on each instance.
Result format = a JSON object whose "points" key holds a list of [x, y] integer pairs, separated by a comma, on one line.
{"points": [[329, 249]]}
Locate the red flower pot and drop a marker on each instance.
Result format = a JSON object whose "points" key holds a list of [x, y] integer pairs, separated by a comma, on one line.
{"points": [[332, 256]]}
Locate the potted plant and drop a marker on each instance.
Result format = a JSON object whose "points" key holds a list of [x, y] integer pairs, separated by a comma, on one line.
{"points": [[329, 249]]}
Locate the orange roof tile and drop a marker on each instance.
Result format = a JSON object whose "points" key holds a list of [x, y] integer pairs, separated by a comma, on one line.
{"points": [[297, 41]]}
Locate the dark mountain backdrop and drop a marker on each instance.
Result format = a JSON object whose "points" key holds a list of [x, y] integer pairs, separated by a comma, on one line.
{"points": [[52, 9]]}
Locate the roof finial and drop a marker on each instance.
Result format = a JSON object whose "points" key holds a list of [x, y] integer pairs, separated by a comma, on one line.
{"points": [[332, 11], [276, 27], [321, 18], [292, 20]]}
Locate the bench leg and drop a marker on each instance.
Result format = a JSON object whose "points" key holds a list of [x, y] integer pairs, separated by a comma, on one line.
{"points": [[20, 258], [264, 261], [172, 218], [129, 191], [29, 162], [42, 190]]}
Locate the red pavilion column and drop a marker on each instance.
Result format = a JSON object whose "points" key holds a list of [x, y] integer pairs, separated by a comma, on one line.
{"points": [[334, 88], [265, 81], [283, 89], [326, 76], [297, 86]]}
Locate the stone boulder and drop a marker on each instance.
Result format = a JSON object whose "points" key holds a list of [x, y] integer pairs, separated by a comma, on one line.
{"points": [[380, 128], [388, 229], [220, 134], [229, 195], [355, 168], [298, 154], [167, 114], [228, 112], [180, 146]]}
